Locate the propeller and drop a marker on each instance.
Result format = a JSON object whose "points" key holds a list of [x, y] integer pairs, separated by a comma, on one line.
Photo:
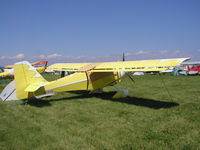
{"points": [[123, 59], [62, 74], [128, 73]]}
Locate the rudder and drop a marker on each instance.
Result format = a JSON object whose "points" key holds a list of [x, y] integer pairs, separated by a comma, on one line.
{"points": [[27, 80]]}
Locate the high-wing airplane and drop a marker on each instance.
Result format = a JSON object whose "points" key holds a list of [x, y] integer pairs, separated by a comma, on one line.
{"points": [[8, 72], [28, 83]]}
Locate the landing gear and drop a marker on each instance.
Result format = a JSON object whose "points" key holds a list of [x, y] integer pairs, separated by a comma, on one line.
{"points": [[121, 93], [98, 91]]}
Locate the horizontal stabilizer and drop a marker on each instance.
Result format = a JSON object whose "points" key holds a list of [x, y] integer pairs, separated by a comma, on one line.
{"points": [[34, 86]]}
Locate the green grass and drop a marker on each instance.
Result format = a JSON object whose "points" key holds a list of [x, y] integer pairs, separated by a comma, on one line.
{"points": [[147, 119]]}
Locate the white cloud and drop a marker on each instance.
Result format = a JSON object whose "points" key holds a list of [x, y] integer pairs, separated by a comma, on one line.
{"points": [[3, 57], [163, 51], [140, 52], [18, 56], [177, 52], [92, 57], [54, 55], [198, 50], [80, 57], [132, 55], [128, 54], [41, 56]]}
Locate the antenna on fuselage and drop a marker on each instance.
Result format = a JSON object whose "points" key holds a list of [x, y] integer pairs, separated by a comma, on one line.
{"points": [[130, 77]]}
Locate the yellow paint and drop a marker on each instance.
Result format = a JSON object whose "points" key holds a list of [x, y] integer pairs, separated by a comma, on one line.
{"points": [[76, 81], [102, 80], [40, 69], [30, 83], [24, 78], [146, 65], [4, 74], [9, 66], [7, 75]]}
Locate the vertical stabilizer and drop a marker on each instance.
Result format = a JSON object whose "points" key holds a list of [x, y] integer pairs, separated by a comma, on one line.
{"points": [[27, 83], [27, 80]]}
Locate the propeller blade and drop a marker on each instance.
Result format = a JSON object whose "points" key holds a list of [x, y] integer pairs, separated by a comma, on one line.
{"points": [[123, 59]]}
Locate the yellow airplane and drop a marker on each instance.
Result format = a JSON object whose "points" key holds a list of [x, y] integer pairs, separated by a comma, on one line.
{"points": [[28, 83], [8, 72]]}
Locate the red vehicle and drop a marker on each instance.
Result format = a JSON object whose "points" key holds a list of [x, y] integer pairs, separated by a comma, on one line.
{"points": [[193, 70]]}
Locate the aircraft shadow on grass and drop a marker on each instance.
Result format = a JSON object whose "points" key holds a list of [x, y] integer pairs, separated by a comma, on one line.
{"points": [[154, 104]]}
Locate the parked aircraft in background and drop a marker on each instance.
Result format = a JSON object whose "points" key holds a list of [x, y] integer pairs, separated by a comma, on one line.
{"points": [[7, 72], [192, 68], [187, 68]]}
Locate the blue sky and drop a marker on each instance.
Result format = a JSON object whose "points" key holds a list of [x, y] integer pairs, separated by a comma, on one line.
{"points": [[98, 30]]}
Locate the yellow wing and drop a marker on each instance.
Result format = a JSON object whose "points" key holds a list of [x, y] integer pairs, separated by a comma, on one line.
{"points": [[142, 65], [4, 74], [66, 66], [9, 67]]}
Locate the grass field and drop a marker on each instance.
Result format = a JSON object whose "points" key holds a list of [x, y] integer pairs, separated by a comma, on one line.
{"points": [[149, 118]]}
